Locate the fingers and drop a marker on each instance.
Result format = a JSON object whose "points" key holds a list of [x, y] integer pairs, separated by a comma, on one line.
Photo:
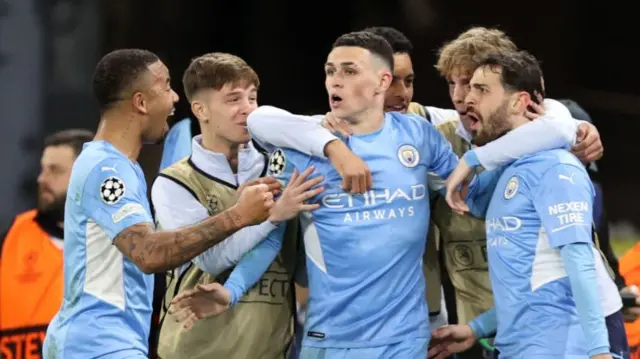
{"points": [[182, 296], [309, 207], [273, 183], [336, 125], [294, 176], [369, 179], [309, 194], [302, 177], [181, 315], [191, 320], [437, 351], [309, 184], [531, 115]]}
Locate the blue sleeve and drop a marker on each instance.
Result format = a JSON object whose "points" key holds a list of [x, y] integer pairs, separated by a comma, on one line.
{"points": [[282, 163], [485, 325], [563, 199], [438, 156], [579, 262], [481, 191], [114, 196], [253, 264]]}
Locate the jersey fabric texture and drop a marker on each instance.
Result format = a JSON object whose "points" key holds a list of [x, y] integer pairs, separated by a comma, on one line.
{"points": [[107, 304]]}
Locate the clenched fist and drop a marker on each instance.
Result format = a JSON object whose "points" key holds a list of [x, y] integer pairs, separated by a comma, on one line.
{"points": [[254, 205]]}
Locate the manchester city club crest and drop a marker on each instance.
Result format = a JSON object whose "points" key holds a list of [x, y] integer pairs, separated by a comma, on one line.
{"points": [[408, 156], [512, 188]]}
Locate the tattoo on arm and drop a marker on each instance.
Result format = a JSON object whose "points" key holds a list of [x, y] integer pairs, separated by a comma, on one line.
{"points": [[161, 251]]}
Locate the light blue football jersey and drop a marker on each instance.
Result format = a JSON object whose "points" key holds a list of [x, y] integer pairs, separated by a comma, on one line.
{"points": [[541, 203], [107, 304], [364, 252]]}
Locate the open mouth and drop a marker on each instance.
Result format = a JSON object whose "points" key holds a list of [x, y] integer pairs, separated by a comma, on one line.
{"points": [[397, 108], [335, 100], [473, 119]]}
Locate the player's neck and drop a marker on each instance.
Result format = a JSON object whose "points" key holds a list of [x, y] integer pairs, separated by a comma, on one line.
{"points": [[122, 132], [219, 144], [517, 121], [368, 121]]}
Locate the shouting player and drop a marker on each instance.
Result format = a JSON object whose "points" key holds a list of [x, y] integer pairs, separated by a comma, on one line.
{"points": [[539, 234], [110, 245]]}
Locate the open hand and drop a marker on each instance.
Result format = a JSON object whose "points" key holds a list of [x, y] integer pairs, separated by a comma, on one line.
{"points": [[449, 340], [203, 301], [294, 196]]}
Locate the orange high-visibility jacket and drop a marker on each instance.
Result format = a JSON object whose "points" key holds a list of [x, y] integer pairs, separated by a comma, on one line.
{"points": [[630, 271], [31, 287]]}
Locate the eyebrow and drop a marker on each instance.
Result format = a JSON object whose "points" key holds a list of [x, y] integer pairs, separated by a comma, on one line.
{"points": [[480, 86], [342, 64], [239, 92]]}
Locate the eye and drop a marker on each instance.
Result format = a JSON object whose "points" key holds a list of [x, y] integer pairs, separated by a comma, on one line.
{"points": [[350, 72]]}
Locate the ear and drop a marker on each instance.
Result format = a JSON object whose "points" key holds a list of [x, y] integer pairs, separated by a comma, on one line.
{"points": [[140, 102], [520, 101], [200, 110], [386, 79]]}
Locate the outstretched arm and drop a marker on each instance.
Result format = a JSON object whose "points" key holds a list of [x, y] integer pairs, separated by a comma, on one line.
{"points": [[273, 127]]}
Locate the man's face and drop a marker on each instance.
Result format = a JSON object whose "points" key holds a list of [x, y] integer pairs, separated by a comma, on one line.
{"points": [[160, 102], [351, 80], [487, 106], [228, 110], [400, 93], [458, 82], [56, 163]]}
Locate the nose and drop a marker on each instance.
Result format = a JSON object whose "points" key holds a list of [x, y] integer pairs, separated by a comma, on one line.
{"points": [[459, 94], [174, 96]]}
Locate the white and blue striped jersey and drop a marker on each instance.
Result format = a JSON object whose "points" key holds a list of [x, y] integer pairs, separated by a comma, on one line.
{"points": [[542, 206], [107, 304]]}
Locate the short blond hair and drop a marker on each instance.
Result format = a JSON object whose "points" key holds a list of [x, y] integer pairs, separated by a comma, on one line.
{"points": [[465, 52], [214, 70]]}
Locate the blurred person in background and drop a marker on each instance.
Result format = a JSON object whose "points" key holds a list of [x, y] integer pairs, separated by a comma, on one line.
{"points": [[31, 278], [223, 90]]}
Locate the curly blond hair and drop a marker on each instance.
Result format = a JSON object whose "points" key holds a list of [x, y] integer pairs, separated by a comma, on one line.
{"points": [[463, 53]]}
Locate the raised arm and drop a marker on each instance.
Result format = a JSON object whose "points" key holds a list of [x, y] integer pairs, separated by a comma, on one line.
{"points": [[273, 127]]}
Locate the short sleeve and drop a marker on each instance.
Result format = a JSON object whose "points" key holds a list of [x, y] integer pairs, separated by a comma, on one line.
{"points": [[564, 201], [114, 196], [439, 157]]}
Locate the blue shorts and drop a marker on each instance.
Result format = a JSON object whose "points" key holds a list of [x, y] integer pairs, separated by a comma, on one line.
{"points": [[410, 349]]}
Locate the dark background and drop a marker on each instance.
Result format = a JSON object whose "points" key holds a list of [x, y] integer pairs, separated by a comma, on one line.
{"points": [[588, 51]]}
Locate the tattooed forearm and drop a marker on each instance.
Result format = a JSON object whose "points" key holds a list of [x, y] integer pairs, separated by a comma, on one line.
{"points": [[155, 252]]}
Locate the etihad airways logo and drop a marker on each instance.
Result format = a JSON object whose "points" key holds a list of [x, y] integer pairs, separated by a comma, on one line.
{"points": [[377, 204]]}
